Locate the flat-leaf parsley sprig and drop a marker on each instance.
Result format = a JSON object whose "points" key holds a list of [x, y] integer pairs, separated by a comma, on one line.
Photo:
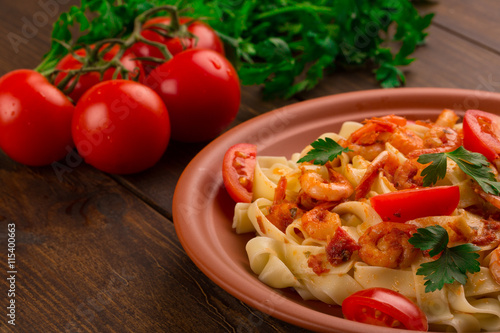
{"points": [[324, 150], [452, 265], [473, 164]]}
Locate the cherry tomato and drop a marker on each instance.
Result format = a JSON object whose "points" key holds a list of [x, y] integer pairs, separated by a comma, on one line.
{"points": [[238, 168], [202, 93], [206, 38], [88, 80], [482, 133], [121, 127], [35, 119], [405, 205], [396, 310]]}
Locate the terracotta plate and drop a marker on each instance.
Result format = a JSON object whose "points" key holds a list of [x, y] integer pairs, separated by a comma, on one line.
{"points": [[203, 211]]}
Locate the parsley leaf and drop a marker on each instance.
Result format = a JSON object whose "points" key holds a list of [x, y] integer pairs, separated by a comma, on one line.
{"points": [[452, 265], [436, 170], [324, 150], [473, 164], [430, 238]]}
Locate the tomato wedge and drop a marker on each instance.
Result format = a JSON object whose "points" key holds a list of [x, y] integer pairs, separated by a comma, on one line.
{"points": [[405, 205], [482, 133], [384, 307], [237, 171]]}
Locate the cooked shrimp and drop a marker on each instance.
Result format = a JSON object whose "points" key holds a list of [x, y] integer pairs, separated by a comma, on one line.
{"points": [[305, 202], [408, 175], [496, 163], [368, 152], [374, 127], [438, 140], [336, 188], [377, 131], [387, 162], [282, 212], [405, 140], [491, 198], [495, 264], [439, 136], [320, 223], [386, 245], [447, 118]]}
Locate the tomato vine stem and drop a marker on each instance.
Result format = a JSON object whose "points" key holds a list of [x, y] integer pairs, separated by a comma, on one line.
{"points": [[93, 59]]}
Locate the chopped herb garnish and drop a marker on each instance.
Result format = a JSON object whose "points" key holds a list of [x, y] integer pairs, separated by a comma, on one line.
{"points": [[324, 150], [452, 265], [473, 164]]}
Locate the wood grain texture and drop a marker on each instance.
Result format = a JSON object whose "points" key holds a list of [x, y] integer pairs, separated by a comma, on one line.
{"points": [[25, 31], [92, 257], [475, 21]]}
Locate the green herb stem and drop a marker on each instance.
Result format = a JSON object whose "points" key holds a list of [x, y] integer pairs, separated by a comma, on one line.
{"points": [[93, 60], [297, 8]]}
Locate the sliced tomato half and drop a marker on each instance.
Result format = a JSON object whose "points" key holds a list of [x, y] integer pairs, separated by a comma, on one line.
{"points": [[238, 169], [384, 307], [482, 133], [405, 205]]}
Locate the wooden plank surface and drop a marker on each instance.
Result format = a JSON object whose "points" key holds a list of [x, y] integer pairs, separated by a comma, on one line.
{"points": [[474, 21], [99, 253], [92, 257]]}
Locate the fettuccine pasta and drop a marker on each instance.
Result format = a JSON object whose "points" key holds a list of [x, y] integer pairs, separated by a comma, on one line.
{"points": [[318, 233]]}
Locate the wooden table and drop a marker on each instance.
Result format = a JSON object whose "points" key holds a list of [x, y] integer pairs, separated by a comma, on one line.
{"points": [[98, 253]]}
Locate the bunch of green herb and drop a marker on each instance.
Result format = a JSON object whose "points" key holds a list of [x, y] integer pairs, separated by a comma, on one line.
{"points": [[286, 45]]}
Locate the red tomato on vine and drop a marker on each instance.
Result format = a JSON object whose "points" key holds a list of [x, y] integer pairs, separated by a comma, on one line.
{"points": [[121, 127], [35, 119], [201, 90], [204, 38]]}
